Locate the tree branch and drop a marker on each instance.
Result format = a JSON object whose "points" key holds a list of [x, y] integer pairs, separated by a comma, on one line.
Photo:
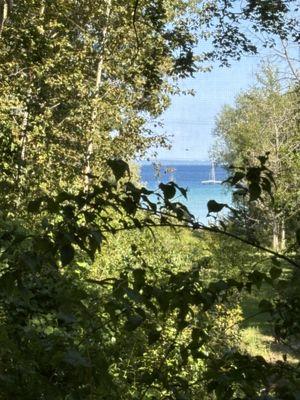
{"points": [[134, 19]]}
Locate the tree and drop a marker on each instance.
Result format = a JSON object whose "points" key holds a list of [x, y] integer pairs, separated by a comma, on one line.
{"points": [[265, 120], [85, 77], [81, 88]]}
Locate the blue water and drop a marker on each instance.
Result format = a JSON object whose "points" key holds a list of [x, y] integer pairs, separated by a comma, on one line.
{"points": [[190, 177]]}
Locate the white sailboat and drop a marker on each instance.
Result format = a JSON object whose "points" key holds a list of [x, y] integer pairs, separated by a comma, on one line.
{"points": [[212, 176]]}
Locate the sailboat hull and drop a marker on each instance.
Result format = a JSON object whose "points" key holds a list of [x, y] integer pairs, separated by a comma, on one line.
{"points": [[210, 182]]}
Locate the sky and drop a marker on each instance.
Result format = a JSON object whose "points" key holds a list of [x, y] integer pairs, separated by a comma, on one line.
{"points": [[190, 119]]}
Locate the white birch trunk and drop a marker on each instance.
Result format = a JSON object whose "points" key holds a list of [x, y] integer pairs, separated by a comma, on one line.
{"points": [[90, 144], [275, 234], [3, 14]]}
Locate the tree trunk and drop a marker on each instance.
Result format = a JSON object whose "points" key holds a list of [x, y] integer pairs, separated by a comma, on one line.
{"points": [[90, 144], [22, 158], [88, 169], [24, 138], [3, 14], [282, 236], [275, 234]]}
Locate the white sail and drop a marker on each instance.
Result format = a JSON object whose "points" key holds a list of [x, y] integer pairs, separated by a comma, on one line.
{"points": [[212, 176]]}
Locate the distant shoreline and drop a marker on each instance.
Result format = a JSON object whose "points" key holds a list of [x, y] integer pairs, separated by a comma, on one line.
{"points": [[174, 162]]}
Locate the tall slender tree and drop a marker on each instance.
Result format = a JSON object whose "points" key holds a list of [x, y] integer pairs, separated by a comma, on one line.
{"points": [[266, 119]]}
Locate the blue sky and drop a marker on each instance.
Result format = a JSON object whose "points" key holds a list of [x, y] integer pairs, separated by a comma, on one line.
{"points": [[190, 119]]}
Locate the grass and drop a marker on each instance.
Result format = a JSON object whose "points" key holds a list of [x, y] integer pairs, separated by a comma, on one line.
{"points": [[256, 330], [258, 344]]}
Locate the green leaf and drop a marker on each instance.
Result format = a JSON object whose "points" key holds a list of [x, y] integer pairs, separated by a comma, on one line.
{"points": [[63, 196], [275, 273], [95, 239], [74, 358], [119, 168], [256, 278], [133, 322], [68, 211], [130, 206], [218, 286], [133, 295], [34, 206], [52, 206], [67, 254], [153, 336], [275, 261], [265, 306], [7, 281], [213, 206], [67, 318], [139, 278], [29, 261]]}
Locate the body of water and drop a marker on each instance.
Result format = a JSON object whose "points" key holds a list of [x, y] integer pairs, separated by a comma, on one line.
{"points": [[190, 176]]}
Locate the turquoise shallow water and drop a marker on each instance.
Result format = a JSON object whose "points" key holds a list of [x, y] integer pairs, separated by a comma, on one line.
{"points": [[190, 177]]}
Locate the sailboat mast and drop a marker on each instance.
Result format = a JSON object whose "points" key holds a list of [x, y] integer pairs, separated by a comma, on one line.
{"points": [[212, 175], [213, 172]]}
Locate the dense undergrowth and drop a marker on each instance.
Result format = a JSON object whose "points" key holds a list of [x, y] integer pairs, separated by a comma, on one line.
{"points": [[159, 317]]}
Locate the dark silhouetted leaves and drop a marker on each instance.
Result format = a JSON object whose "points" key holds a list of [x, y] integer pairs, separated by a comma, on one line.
{"points": [[275, 273], [133, 322], [139, 278], [119, 168], [34, 206], [168, 190], [153, 336], [254, 191], [214, 207], [67, 254], [265, 306]]}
